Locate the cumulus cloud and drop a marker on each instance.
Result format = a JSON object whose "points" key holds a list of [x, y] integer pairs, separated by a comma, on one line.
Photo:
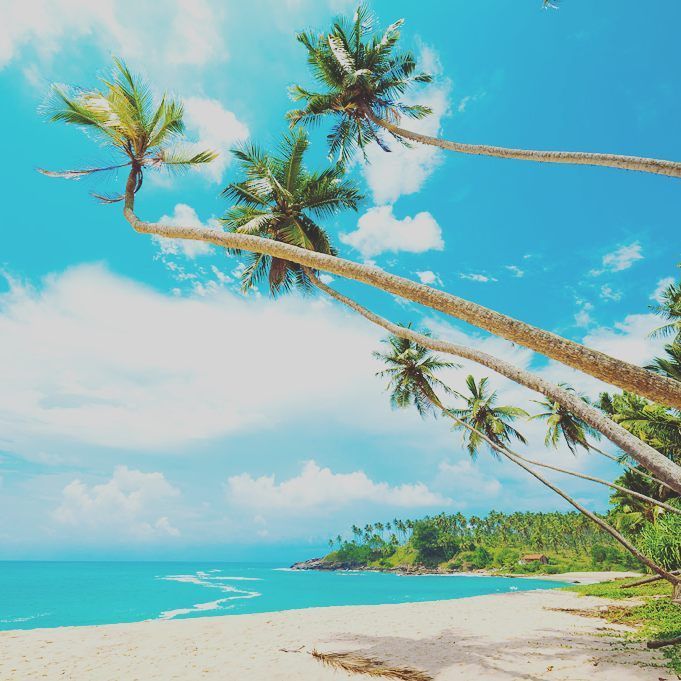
{"points": [[317, 487], [661, 287], [216, 128], [621, 258], [466, 481], [629, 339], [94, 358], [185, 32], [429, 278], [380, 231], [184, 215], [128, 505], [405, 170]]}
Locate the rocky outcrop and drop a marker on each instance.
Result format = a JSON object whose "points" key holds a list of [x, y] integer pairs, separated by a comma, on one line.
{"points": [[323, 564]]}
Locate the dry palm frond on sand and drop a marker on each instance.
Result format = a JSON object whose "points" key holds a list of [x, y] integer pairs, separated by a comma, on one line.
{"points": [[356, 664]]}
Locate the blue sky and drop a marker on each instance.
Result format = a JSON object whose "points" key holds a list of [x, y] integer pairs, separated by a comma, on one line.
{"points": [[149, 410]]}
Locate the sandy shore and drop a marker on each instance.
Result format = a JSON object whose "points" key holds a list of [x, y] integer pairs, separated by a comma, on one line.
{"points": [[505, 637]]}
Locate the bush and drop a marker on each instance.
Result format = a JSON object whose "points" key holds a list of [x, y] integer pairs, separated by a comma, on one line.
{"points": [[661, 541]]}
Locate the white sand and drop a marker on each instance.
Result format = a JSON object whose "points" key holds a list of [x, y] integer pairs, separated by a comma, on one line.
{"points": [[501, 637]]}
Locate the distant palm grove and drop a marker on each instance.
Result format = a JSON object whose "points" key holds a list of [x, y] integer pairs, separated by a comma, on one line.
{"points": [[451, 543]]}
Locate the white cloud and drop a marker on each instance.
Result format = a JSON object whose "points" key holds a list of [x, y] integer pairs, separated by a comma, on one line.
{"points": [[404, 170], [317, 487], [96, 359], [379, 231], [662, 285], [429, 278], [583, 314], [515, 271], [609, 293], [481, 278], [466, 481], [628, 340], [216, 128], [620, 259], [127, 505], [184, 215], [185, 32]]}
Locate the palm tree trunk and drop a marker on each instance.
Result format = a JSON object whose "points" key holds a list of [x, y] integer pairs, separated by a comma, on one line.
{"points": [[616, 372], [665, 574], [639, 163], [600, 481], [626, 465], [665, 469]]}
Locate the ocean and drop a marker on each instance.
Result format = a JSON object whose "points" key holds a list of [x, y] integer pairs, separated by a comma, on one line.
{"points": [[55, 594]]}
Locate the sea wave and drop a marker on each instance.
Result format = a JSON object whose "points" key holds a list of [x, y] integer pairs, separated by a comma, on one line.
{"points": [[209, 581], [15, 620]]}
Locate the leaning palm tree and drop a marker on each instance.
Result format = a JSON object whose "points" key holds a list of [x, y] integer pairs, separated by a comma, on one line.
{"points": [[486, 417], [412, 381], [364, 78], [609, 369], [563, 425], [280, 199], [411, 371], [124, 117]]}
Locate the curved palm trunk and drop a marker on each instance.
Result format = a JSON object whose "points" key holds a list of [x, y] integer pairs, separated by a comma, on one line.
{"points": [[639, 163], [600, 481], [616, 372], [665, 574], [628, 466], [665, 469]]}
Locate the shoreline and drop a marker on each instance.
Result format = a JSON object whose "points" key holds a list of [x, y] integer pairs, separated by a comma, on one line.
{"points": [[518, 635], [575, 577]]}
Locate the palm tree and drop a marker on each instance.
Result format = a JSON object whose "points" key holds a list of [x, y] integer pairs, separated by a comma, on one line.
{"points": [[484, 417], [562, 424], [280, 199], [410, 369], [602, 366], [412, 381], [364, 78], [669, 366], [669, 308], [124, 116]]}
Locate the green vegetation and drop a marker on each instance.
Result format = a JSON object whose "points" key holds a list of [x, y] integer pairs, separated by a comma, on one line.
{"points": [[496, 542], [655, 619]]}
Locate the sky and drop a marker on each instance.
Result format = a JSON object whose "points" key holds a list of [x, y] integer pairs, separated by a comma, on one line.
{"points": [[150, 410]]}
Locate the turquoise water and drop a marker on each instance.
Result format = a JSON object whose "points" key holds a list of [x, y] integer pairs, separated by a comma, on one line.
{"points": [[37, 594]]}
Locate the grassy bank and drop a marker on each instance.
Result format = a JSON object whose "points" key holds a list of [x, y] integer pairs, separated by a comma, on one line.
{"points": [[648, 608]]}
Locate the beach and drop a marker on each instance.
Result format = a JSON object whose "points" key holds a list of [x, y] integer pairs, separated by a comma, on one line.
{"points": [[520, 635]]}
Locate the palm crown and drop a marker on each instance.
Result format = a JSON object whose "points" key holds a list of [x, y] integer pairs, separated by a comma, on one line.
{"points": [[278, 199], [411, 370], [669, 308], [562, 423], [125, 117], [364, 78], [482, 414]]}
